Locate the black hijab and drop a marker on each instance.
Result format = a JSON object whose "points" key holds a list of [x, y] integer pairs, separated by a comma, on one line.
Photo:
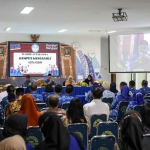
{"points": [[56, 135], [113, 87], [16, 125], [131, 132]]}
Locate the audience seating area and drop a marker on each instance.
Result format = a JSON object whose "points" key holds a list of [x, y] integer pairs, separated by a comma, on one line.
{"points": [[103, 131]]}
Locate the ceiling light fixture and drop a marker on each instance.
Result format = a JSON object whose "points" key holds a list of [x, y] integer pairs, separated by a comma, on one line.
{"points": [[111, 31], [63, 30], [120, 16], [26, 10], [94, 31], [7, 29]]}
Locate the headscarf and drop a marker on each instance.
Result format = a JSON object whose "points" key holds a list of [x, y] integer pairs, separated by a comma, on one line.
{"points": [[138, 98], [56, 135], [131, 132], [16, 125], [29, 107], [95, 85], [113, 87], [124, 94]]}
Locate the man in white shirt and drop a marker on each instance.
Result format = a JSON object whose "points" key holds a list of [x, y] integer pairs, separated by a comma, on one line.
{"points": [[96, 106]]}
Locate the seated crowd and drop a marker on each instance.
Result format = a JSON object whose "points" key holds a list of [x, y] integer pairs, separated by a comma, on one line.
{"points": [[18, 110]]}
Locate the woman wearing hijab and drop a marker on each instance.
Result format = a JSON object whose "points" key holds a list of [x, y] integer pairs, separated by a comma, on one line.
{"points": [[89, 80], [132, 133], [56, 135], [145, 113], [123, 97], [13, 133], [70, 81], [29, 107], [113, 88], [107, 93], [137, 100]]}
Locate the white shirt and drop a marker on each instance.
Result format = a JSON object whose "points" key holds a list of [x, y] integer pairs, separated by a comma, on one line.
{"points": [[96, 107]]}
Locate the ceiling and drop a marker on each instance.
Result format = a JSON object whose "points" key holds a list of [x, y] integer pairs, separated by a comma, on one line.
{"points": [[77, 16]]}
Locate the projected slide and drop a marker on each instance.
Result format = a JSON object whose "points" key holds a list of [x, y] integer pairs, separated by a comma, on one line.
{"points": [[35, 59], [129, 53]]}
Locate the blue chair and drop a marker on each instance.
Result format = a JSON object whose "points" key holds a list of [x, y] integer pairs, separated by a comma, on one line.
{"points": [[137, 108], [104, 142], [121, 110], [44, 109], [147, 98], [15, 111], [65, 106], [108, 100], [1, 130], [1, 133], [34, 136], [146, 136], [81, 129], [41, 105], [108, 128], [59, 115], [38, 102], [95, 120]]}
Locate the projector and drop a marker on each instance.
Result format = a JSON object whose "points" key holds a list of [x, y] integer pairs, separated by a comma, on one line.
{"points": [[120, 16]]}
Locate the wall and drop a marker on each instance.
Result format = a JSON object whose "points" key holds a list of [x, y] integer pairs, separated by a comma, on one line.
{"points": [[88, 45], [105, 60]]}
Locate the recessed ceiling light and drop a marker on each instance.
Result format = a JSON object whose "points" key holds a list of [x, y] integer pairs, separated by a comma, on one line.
{"points": [[63, 30], [94, 30], [7, 29], [27, 10], [111, 31]]}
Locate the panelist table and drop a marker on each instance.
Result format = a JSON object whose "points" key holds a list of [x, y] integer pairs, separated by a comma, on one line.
{"points": [[77, 90]]}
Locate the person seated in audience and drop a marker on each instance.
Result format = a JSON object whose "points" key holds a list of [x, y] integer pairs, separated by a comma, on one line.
{"points": [[121, 85], [56, 135], [75, 114], [37, 96], [89, 80], [131, 137], [29, 107], [113, 88], [88, 97], [14, 102], [14, 132], [107, 93], [2, 117], [96, 106], [48, 91], [145, 89], [49, 80], [145, 113], [58, 91], [137, 100], [54, 103], [4, 102], [119, 98], [68, 95], [11, 99], [132, 86], [27, 82], [70, 81]]}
